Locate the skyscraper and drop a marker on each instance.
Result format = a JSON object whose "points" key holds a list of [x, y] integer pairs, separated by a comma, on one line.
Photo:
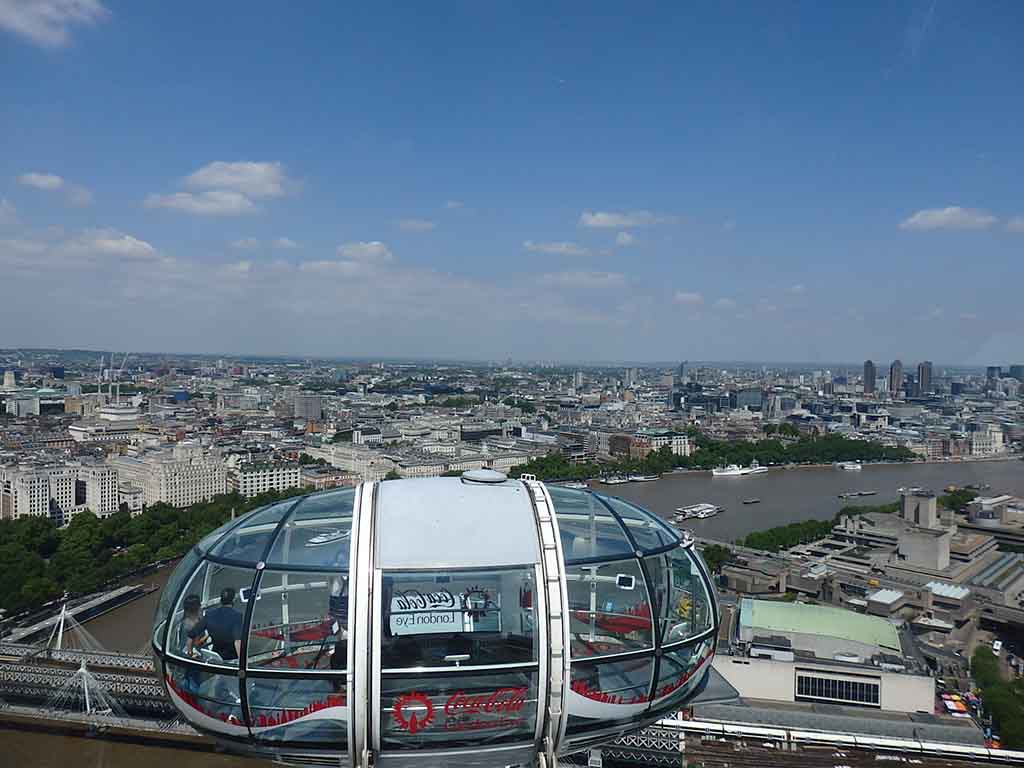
{"points": [[992, 374], [895, 377], [1017, 372], [870, 376], [924, 377]]}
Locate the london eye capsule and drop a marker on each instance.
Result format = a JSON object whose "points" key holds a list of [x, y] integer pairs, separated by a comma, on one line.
{"points": [[476, 620]]}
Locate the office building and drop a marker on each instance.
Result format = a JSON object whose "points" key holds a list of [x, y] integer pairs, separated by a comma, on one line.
{"points": [[100, 487], [308, 407], [820, 654], [253, 479], [9, 380], [577, 379], [895, 377], [924, 377], [1017, 372], [186, 475], [992, 374], [870, 377], [27, 491]]}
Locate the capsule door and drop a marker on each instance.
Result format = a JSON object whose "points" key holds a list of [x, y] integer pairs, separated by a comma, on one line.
{"points": [[456, 671]]}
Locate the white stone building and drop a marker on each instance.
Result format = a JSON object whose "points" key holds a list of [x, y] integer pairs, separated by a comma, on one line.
{"points": [[253, 479]]}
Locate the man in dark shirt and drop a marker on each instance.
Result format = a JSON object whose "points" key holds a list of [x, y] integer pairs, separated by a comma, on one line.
{"points": [[224, 625]]}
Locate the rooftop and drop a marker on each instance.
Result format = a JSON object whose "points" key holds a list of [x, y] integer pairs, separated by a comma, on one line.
{"points": [[825, 621]]}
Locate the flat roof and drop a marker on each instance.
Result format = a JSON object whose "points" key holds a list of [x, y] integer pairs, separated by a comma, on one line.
{"points": [[822, 620]]}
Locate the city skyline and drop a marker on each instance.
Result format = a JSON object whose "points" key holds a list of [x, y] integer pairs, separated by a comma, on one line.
{"points": [[500, 183]]}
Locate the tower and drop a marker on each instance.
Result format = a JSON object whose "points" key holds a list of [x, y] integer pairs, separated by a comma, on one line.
{"points": [[924, 377], [895, 377], [870, 376]]}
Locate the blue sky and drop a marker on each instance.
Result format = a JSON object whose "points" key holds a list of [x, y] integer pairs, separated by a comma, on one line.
{"points": [[798, 181]]}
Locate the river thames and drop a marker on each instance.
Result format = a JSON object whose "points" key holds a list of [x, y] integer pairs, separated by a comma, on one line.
{"points": [[805, 493]]}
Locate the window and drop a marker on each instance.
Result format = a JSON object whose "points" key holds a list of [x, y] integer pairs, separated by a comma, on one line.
{"points": [[609, 609], [597, 684], [202, 602], [248, 541], [682, 605], [317, 534], [648, 531], [840, 690], [458, 618], [207, 698], [588, 530], [298, 709], [299, 621], [677, 672]]}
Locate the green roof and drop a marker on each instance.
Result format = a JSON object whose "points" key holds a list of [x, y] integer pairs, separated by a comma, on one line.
{"points": [[819, 620]]}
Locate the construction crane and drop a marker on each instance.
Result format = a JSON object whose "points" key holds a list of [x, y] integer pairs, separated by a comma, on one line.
{"points": [[119, 371]]}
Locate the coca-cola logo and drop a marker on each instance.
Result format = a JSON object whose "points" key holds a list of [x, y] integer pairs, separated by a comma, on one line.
{"points": [[501, 701], [417, 600], [413, 712]]}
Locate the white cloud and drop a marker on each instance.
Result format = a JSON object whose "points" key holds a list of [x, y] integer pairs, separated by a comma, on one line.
{"points": [[365, 251], [246, 244], [725, 303], [285, 244], [416, 225], [50, 182], [254, 180], [953, 217], [624, 239], [110, 242], [215, 202], [688, 299], [798, 289], [46, 22], [45, 181], [617, 220], [1015, 224], [584, 279], [556, 249], [453, 204]]}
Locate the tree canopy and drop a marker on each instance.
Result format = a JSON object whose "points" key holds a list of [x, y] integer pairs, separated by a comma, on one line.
{"points": [[39, 562]]}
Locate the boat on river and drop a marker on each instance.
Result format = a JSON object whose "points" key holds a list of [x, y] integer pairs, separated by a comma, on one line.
{"points": [[614, 480], [752, 501], [697, 511], [735, 470], [643, 478], [849, 466]]}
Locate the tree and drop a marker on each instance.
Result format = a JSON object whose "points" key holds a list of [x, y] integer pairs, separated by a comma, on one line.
{"points": [[715, 555], [392, 475]]}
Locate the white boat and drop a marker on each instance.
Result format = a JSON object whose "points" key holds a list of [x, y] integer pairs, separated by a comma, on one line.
{"points": [[735, 470], [614, 480], [850, 466], [575, 485], [642, 478], [699, 511]]}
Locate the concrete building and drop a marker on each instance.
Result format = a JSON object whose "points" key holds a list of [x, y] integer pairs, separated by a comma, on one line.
{"points": [[895, 377], [308, 406], [100, 483], [870, 377], [798, 652], [253, 479], [27, 491], [132, 497], [186, 475], [924, 377]]}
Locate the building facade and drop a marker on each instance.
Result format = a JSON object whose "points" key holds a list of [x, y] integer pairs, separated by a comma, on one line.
{"points": [[870, 377], [253, 479]]}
